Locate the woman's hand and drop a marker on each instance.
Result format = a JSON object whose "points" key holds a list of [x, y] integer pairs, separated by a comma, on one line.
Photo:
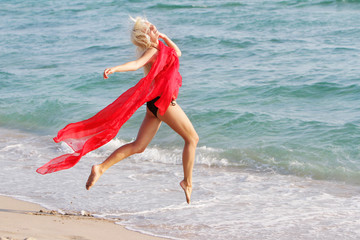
{"points": [[170, 43], [107, 72], [162, 35]]}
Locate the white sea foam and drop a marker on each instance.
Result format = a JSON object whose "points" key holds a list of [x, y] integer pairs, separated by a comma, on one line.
{"points": [[143, 193]]}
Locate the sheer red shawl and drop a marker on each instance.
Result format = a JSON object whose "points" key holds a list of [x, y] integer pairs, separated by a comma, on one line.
{"points": [[163, 80]]}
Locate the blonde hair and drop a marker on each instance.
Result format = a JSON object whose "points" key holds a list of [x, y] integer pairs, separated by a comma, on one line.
{"points": [[139, 36]]}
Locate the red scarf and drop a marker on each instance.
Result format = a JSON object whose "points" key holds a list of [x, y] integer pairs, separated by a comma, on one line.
{"points": [[163, 80]]}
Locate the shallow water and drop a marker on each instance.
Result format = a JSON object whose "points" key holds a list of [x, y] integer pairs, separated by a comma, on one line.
{"points": [[272, 88]]}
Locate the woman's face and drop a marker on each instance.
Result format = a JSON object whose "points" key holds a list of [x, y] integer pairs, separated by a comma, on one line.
{"points": [[153, 33]]}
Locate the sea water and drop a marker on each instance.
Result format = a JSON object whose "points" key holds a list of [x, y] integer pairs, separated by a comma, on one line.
{"points": [[272, 88]]}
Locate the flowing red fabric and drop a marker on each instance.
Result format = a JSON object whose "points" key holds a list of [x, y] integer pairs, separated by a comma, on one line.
{"points": [[163, 80]]}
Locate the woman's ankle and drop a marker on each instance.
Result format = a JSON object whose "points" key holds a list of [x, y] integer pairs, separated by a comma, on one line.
{"points": [[187, 182]]}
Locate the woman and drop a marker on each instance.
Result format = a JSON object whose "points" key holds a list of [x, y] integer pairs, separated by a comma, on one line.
{"points": [[159, 89]]}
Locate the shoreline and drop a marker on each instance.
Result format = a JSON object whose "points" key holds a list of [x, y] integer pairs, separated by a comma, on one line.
{"points": [[21, 220]]}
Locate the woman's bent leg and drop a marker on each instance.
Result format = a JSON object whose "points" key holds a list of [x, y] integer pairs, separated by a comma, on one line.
{"points": [[147, 131], [180, 123]]}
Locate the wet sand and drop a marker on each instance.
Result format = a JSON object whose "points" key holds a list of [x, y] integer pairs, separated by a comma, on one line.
{"points": [[21, 220]]}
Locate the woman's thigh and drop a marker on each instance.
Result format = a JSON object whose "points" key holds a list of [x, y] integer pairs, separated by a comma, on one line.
{"points": [[148, 129], [179, 122]]}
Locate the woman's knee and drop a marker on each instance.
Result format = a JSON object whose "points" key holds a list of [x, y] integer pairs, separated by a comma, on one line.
{"points": [[192, 139], [138, 147]]}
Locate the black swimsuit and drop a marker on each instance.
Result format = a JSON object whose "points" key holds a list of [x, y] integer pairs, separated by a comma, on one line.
{"points": [[151, 106], [154, 109]]}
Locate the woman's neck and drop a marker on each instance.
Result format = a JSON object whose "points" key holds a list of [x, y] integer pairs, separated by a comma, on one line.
{"points": [[156, 44]]}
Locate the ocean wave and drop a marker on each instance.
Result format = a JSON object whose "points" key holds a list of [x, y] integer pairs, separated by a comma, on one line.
{"points": [[98, 49], [236, 43], [231, 4], [200, 40], [321, 3], [40, 114], [289, 158], [302, 161], [176, 6], [6, 79], [313, 91], [194, 6]]}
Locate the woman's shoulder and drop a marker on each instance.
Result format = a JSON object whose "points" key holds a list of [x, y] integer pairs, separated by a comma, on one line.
{"points": [[154, 52]]}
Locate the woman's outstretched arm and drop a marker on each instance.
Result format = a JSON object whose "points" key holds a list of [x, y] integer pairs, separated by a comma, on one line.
{"points": [[133, 65], [170, 43]]}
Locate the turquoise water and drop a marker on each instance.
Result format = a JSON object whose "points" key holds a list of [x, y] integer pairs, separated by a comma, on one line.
{"points": [[272, 88]]}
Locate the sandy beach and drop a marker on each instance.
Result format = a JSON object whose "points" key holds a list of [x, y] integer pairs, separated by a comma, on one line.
{"points": [[23, 220]]}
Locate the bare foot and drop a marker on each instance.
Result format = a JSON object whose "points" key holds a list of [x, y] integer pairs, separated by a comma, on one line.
{"points": [[187, 190], [94, 176]]}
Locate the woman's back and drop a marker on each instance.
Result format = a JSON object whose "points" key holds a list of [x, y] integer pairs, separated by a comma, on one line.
{"points": [[148, 66]]}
